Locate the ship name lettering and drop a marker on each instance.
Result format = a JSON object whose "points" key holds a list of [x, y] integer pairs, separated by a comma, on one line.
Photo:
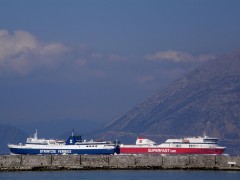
{"points": [[160, 150], [64, 151], [47, 151]]}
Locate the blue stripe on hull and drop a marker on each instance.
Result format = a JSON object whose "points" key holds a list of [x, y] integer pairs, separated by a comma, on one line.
{"points": [[58, 151]]}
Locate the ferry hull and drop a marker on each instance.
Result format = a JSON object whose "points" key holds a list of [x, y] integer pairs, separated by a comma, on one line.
{"points": [[61, 151], [73, 145], [158, 150]]}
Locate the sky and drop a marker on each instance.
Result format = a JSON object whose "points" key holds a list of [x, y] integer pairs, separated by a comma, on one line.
{"points": [[92, 60]]}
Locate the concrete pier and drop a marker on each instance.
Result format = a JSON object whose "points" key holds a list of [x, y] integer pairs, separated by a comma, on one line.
{"points": [[89, 162]]}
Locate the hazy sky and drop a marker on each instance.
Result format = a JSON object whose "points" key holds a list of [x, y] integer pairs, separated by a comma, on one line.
{"points": [[95, 59]]}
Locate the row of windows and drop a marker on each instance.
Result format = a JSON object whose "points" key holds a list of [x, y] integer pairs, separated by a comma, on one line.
{"points": [[187, 143], [194, 146], [92, 146], [191, 146]]}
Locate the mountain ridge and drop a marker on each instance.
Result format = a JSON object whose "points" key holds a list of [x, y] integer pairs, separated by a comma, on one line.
{"points": [[10, 134], [205, 100]]}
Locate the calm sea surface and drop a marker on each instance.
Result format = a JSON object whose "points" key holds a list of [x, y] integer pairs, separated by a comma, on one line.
{"points": [[122, 174]]}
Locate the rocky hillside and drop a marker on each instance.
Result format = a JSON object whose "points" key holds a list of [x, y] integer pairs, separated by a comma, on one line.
{"points": [[206, 100], [10, 134]]}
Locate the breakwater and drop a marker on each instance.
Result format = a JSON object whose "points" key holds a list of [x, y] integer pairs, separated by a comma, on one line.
{"points": [[90, 162]]}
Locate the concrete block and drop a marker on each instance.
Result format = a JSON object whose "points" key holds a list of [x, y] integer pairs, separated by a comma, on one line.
{"points": [[10, 161], [148, 160], [122, 160], [65, 160], [227, 161], [94, 160], [36, 160], [201, 161], [175, 161]]}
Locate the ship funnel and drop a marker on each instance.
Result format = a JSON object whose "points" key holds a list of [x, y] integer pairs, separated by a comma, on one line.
{"points": [[144, 141]]}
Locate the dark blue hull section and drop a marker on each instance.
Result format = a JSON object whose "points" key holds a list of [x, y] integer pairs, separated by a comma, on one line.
{"points": [[61, 151]]}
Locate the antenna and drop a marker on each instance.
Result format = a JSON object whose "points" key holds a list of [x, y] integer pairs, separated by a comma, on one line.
{"points": [[35, 135], [204, 134], [73, 132]]}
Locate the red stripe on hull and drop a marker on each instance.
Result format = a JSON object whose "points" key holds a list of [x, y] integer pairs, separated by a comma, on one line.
{"points": [[148, 150]]}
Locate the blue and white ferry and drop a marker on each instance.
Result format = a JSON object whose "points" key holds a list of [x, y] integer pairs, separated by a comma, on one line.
{"points": [[74, 145]]}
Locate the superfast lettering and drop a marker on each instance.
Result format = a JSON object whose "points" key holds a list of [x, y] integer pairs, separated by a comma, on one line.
{"points": [[156, 150]]}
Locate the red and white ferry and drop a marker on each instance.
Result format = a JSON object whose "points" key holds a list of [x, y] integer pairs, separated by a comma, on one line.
{"points": [[191, 145]]}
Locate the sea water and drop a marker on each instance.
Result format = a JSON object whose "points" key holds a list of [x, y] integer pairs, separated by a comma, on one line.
{"points": [[122, 174]]}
